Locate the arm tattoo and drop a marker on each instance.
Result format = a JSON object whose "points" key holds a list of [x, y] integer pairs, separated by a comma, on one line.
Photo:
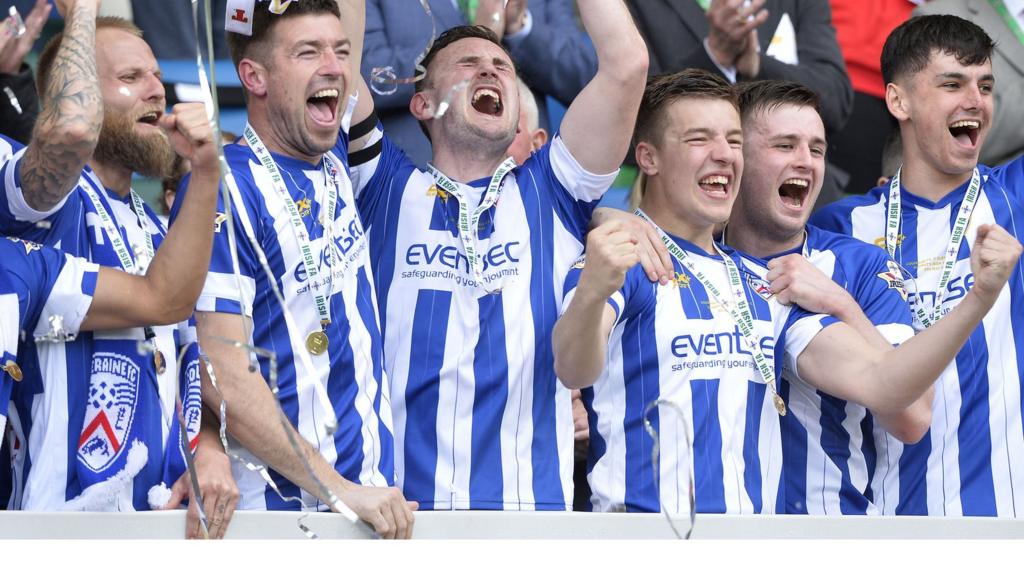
{"points": [[69, 123]]}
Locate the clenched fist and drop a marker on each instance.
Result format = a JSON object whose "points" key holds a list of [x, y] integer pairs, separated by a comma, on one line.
{"points": [[191, 135], [993, 257], [611, 251]]}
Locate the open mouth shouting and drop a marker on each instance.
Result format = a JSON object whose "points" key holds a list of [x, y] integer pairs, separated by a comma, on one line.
{"points": [[151, 118], [323, 106], [794, 191], [487, 101], [716, 185], [965, 132]]}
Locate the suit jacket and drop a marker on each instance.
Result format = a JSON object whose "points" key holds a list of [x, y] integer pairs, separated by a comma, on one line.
{"points": [[1005, 141], [675, 32], [556, 58]]}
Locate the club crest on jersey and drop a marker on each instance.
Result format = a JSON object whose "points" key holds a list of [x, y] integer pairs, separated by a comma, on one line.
{"points": [[219, 219], [113, 398], [29, 246], [681, 280], [880, 241], [760, 287], [304, 206], [894, 279]]}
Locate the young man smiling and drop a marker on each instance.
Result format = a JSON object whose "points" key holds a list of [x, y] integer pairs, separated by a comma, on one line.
{"points": [[939, 78], [711, 345], [834, 456]]}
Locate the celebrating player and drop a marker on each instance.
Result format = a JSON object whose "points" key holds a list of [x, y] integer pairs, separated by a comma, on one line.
{"points": [[939, 79], [295, 202], [469, 257], [831, 462], [712, 342], [105, 107]]}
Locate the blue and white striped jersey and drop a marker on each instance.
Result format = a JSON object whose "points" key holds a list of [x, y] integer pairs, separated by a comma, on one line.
{"points": [[351, 369], [828, 447], [70, 447], [677, 344], [480, 420], [36, 282], [972, 460]]}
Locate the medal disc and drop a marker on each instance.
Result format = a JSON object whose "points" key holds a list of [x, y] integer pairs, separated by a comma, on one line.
{"points": [[159, 362], [780, 405], [316, 342], [13, 370]]}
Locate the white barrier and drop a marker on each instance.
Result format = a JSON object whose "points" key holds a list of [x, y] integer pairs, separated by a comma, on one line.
{"points": [[502, 525]]}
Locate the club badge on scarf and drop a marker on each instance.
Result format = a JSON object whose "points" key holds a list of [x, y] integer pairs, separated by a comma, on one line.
{"points": [[123, 410], [112, 405]]}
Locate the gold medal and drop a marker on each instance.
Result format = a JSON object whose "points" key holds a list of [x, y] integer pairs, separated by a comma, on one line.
{"points": [[13, 370], [316, 342], [780, 405], [159, 362]]}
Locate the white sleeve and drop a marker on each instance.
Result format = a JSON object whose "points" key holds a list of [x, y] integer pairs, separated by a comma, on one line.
{"points": [[582, 185], [71, 295], [799, 336]]}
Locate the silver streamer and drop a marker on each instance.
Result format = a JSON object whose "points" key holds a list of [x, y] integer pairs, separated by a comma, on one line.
{"points": [[449, 98], [656, 454], [385, 81], [190, 461]]}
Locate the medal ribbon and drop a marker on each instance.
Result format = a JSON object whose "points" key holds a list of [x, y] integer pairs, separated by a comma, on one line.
{"points": [[116, 240], [963, 219], [313, 271], [468, 223], [736, 303], [121, 249]]}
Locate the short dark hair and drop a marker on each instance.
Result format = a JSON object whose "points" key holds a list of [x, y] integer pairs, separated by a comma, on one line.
{"points": [[910, 46], [666, 89], [263, 22], [451, 36], [44, 67], [767, 95]]}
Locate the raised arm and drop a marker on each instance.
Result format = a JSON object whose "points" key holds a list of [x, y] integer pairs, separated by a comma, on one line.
{"points": [[254, 419], [353, 18], [171, 286], [840, 362], [554, 56], [599, 123], [580, 337], [69, 122]]}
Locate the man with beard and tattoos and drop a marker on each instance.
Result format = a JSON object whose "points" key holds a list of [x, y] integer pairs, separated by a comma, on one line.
{"points": [[102, 120]]}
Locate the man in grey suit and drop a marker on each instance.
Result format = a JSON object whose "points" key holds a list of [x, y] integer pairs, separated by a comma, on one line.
{"points": [[1006, 138], [551, 53], [763, 39]]}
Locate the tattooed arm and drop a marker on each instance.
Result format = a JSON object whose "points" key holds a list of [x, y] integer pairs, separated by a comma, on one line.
{"points": [[72, 112]]}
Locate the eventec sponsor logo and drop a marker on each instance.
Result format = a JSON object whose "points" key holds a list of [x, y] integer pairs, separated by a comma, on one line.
{"points": [[349, 243], [449, 256], [718, 343], [957, 288]]}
